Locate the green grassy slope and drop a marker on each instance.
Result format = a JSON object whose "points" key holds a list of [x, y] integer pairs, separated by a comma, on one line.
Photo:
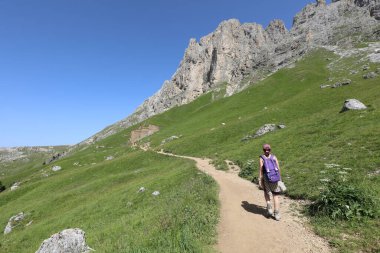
{"points": [[316, 134], [101, 196], [18, 169]]}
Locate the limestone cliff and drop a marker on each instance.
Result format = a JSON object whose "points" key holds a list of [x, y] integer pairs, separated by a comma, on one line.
{"points": [[239, 54]]}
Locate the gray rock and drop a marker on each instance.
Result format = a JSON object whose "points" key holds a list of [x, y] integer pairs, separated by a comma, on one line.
{"points": [[169, 139], [353, 72], [323, 86], [370, 75], [265, 129], [66, 241], [340, 84], [15, 186], [14, 221], [142, 189], [56, 168], [156, 193], [374, 173], [108, 158], [353, 104], [375, 12]]}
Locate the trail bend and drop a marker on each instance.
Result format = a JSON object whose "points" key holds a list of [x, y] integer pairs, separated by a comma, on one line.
{"points": [[243, 225]]}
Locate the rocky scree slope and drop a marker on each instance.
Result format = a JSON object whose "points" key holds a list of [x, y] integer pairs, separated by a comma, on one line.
{"points": [[236, 55]]}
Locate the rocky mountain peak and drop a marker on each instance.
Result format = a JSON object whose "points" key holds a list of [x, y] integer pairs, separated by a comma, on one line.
{"points": [[236, 55]]}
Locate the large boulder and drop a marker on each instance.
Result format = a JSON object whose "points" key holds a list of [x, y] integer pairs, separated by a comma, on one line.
{"points": [[67, 241], [353, 104]]}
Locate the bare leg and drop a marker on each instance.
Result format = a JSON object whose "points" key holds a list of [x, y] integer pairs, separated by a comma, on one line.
{"points": [[276, 199]]}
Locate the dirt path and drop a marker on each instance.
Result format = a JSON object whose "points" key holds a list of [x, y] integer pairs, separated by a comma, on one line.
{"points": [[243, 226]]}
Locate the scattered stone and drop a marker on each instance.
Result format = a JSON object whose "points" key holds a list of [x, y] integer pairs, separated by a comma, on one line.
{"points": [[324, 180], [108, 158], [76, 163], [263, 130], [56, 168], [343, 83], [156, 193], [353, 104], [323, 86], [142, 189], [14, 221], [365, 67], [331, 165], [29, 223], [353, 72], [66, 241], [171, 138], [378, 71], [374, 173], [370, 75], [342, 172], [223, 124], [15, 186]]}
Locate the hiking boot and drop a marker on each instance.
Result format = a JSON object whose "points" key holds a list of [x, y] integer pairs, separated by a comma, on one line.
{"points": [[270, 210], [277, 215]]}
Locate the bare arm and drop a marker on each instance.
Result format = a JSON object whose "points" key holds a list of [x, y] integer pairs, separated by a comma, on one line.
{"points": [[260, 168]]}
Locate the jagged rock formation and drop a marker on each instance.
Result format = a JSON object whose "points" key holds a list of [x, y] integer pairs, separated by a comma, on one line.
{"points": [[239, 54]]}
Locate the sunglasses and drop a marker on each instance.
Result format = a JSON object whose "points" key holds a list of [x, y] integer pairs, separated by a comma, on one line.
{"points": [[266, 149]]}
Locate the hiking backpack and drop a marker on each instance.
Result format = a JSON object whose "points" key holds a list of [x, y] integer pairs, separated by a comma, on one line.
{"points": [[270, 169]]}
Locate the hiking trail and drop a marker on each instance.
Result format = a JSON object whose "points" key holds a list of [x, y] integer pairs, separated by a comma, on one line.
{"points": [[243, 225]]}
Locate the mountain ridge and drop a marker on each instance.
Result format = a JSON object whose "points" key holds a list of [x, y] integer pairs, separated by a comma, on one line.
{"points": [[237, 55]]}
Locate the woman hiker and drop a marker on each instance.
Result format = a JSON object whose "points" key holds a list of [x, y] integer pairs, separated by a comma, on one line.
{"points": [[267, 180]]}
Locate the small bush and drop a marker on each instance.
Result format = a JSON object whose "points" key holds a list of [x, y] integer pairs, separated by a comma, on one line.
{"points": [[219, 164], [249, 171], [342, 201], [2, 187]]}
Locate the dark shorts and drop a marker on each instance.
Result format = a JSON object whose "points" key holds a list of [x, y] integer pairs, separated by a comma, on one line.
{"points": [[270, 188]]}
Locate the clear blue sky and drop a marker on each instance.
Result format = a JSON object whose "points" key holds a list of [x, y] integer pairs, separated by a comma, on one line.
{"points": [[69, 68]]}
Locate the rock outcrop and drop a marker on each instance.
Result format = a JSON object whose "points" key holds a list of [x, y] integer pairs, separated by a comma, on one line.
{"points": [[14, 221], [240, 54], [68, 240]]}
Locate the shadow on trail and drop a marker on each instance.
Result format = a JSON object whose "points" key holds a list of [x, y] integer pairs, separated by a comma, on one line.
{"points": [[253, 208]]}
